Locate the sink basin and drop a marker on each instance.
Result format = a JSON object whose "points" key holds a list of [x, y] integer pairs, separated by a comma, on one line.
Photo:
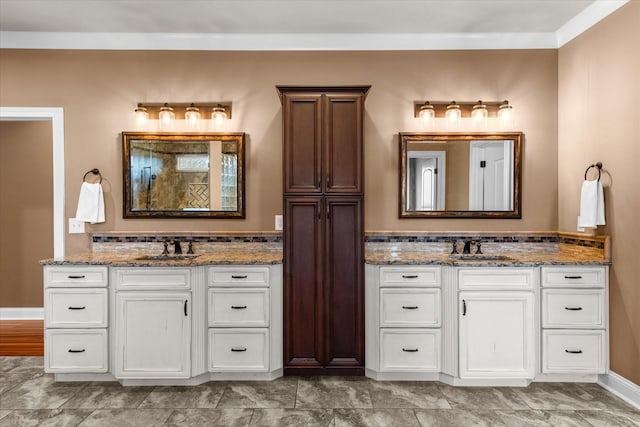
{"points": [[480, 257], [166, 257]]}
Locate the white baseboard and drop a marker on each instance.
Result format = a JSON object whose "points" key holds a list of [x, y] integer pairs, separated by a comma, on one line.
{"points": [[621, 387], [21, 313]]}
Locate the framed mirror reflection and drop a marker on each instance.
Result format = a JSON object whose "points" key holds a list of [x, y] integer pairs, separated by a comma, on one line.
{"points": [[460, 175], [183, 175]]}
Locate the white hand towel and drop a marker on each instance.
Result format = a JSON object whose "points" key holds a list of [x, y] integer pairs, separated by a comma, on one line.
{"points": [[591, 205], [90, 203]]}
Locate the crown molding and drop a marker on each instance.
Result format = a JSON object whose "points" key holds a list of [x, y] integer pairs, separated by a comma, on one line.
{"points": [[586, 19]]}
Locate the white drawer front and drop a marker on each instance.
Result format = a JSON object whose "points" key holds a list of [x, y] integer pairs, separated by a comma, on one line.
{"points": [[239, 307], [70, 351], [243, 350], [496, 278], [409, 276], [76, 308], [413, 350], [72, 276], [153, 278], [239, 276], [409, 307], [573, 352], [572, 308], [581, 277]]}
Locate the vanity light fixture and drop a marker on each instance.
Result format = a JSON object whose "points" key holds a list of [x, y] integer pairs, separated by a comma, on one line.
{"points": [[505, 113], [427, 113], [142, 117], [181, 116], [453, 114], [166, 117], [192, 117], [479, 114], [218, 116]]}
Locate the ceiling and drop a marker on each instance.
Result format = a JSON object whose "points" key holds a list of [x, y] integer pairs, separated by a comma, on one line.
{"points": [[297, 24]]}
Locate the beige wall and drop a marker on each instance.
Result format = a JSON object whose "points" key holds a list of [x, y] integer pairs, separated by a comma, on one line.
{"points": [[26, 210], [599, 104], [100, 89]]}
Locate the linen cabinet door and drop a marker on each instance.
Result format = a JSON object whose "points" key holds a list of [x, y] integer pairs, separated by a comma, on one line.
{"points": [[343, 143], [303, 293], [344, 285], [153, 334], [497, 338], [302, 143]]}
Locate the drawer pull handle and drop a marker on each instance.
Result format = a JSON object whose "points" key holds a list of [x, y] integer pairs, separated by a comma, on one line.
{"points": [[238, 277], [81, 276], [76, 351], [464, 308], [574, 351], [77, 308], [573, 308], [410, 350], [572, 277], [409, 276], [410, 307], [238, 349], [238, 307]]}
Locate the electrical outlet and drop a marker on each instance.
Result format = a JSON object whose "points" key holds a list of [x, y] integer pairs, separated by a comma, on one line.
{"points": [[279, 222], [75, 226]]}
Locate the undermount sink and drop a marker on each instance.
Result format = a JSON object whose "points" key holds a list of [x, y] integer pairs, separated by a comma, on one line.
{"points": [[169, 257], [480, 257]]}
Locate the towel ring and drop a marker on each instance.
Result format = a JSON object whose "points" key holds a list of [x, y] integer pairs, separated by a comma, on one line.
{"points": [[595, 165], [94, 171]]}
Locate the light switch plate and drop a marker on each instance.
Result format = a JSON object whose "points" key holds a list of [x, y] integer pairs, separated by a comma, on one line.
{"points": [[75, 226], [279, 222]]}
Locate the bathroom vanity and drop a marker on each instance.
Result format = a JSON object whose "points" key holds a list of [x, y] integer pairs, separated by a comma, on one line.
{"points": [[540, 315]]}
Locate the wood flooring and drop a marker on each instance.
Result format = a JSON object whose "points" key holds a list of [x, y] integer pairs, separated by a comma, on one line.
{"points": [[21, 337]]}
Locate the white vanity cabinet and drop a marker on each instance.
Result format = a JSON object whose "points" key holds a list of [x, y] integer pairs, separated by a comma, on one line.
{"points": [[403, 313], [244, 313], [574, 319], [497, 328], [152, 330], [76, 319]]}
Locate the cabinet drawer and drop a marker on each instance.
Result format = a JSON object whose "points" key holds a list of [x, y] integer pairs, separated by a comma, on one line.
{"points": [[410, 350], [69, 350], [409, 307], [76, 308], [239, 307], [243, 350], [572, 308], [153, 278], [239, 276], [581, 277], [496, 279], [407, 276], [573, 352], [72, 276]]}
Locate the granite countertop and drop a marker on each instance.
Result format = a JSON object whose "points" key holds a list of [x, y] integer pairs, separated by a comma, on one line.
{"points": [[130, 258], [563, 254]]}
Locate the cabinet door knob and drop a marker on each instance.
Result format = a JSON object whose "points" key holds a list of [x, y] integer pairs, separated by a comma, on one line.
{"points": [[573, 351], [410, 307], [238, 276], [71, 276], [409, 276], [76, 351], [238, 349], [410, 350], [77, 308], [572, 277], [573, 308], [238, 307]]}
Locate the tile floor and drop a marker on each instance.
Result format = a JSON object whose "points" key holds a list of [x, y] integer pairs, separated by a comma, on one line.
{"points": [[29, 397]]}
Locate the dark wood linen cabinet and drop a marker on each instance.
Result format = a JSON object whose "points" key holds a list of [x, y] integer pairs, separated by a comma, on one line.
{"points": [[323, 230]]}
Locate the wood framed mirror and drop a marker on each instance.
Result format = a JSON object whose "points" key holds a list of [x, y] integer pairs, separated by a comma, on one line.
{"points": [[183, 175], [460, 175]]}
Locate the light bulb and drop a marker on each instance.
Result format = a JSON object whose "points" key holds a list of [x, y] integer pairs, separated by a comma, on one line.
{"points": [[192, 117], [453, 114], [142, 118], [166, 117], [427, 114], [505, 114], [218, 116], [479, 114]]}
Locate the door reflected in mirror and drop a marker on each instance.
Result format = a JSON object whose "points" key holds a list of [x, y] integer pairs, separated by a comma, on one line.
{"points": [[471, 175], [183, 175]]}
